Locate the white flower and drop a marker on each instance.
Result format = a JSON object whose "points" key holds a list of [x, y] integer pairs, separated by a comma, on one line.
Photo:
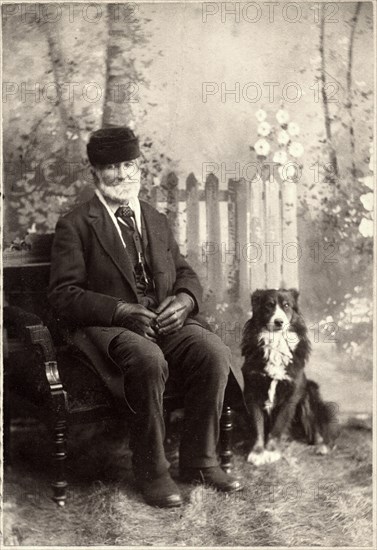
{"points": [[293, 129], [367, 200], [366, 227], [261, 115], [283, 137], [262, 147], [264, 129], [282, 116], [295, 149], [280, 157]]}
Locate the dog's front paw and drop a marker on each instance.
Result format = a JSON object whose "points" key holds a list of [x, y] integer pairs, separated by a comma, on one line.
{"points": [[322, 450], [273, 456], [259, 457], [256, 456]]}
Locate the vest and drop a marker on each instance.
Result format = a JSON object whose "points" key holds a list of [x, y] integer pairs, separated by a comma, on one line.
{"points": [[145, 292]]}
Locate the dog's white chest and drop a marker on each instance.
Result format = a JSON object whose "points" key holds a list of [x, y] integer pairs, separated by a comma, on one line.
{"points": [[278, 350]]}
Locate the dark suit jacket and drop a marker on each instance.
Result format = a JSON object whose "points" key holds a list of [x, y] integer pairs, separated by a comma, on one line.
{"points": [[91, 272]]}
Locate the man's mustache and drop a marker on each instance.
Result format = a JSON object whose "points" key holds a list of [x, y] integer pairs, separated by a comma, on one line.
{"points": [[120, 182]]}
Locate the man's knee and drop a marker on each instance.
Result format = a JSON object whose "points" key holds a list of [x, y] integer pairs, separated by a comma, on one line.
{"points": [[216, 355], [143, 356]]}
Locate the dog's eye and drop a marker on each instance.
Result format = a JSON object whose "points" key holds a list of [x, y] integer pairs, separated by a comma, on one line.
{"points": [[286, 306]]}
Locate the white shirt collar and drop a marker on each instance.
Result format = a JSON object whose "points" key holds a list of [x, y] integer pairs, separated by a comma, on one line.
{"points": [[134, 203]]}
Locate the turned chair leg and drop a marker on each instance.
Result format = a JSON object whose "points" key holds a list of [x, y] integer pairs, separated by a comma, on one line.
{"points": [[59, 456], [40, 338], [226, 429]]}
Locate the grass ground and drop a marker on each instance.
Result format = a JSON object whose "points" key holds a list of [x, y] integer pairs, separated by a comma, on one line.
{"points": [[302, 500]]}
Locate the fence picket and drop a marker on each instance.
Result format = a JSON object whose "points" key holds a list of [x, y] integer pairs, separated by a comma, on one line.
{"points": [[171, 186], [233, 259], [192, 224], [273, 243], [256, 249], [213, 245], [291, 251], [242, 226]]}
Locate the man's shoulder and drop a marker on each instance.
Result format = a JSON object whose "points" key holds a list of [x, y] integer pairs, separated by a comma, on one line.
{"points": [[81, 211], [150, 210]]}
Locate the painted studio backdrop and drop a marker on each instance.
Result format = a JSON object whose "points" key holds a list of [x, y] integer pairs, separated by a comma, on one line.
{"points": [[256, 127]]}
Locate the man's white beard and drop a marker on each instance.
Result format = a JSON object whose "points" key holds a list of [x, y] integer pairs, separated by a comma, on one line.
{"points": [[125, 191]]}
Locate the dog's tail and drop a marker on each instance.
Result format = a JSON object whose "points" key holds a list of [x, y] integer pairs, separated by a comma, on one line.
{"points": [[315, 420]]}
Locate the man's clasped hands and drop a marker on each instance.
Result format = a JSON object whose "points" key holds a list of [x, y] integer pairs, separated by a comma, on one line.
{"points": [[167, 318]]}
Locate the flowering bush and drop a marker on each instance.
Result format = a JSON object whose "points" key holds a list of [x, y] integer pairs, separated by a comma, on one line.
{"points": [[277, 141], [367, 200], [345, 220]]}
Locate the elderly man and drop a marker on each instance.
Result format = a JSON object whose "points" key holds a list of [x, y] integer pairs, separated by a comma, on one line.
{"points": [[130, 300]]}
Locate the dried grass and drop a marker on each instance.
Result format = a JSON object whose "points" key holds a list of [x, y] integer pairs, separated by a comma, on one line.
{"points": [[302, 500]]}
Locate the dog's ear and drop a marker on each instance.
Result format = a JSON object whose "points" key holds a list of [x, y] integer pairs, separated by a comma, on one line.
{"points": [[256, 299], [295, 293]]}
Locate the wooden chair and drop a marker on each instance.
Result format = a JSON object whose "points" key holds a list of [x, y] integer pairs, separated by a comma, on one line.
{"points": [[56, 378]]}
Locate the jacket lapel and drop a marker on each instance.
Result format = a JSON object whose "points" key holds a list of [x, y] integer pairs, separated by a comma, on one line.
{"points": [[110, 241]]}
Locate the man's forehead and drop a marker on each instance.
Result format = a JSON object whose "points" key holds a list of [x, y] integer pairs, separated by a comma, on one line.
{"points": [[126, 163]]}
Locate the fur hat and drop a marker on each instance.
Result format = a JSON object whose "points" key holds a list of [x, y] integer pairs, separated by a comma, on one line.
{"points": [[112, 145]]}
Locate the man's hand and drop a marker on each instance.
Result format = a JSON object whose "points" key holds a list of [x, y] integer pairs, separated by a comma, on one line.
{"points": [[136, 318], [173, 312]]}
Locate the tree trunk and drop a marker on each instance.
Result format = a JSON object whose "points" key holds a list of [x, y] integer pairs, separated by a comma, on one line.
{"points": [[122, 80], [349, 84], [333, 158], [69, 129]]}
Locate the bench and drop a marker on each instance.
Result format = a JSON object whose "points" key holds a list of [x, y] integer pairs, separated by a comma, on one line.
{"points": [[55, 378]]}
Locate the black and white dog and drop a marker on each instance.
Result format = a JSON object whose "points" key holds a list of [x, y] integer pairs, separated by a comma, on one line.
{"points": [[278, 395]]}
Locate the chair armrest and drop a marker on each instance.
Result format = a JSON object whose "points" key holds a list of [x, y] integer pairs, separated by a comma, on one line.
{"points": [[40, 338], [15, 319], [32, 359]]}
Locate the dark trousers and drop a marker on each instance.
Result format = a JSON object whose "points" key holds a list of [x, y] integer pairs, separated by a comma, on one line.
{"points": [[198, 363]]}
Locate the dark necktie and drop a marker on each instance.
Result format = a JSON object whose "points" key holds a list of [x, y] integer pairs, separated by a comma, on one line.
{"points": [[126, 214]]}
